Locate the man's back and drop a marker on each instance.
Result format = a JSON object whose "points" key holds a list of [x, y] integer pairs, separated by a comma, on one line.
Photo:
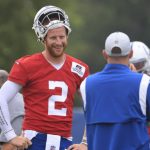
{"points": [[117, 110]]}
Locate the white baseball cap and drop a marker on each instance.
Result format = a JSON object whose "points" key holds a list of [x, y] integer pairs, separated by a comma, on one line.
{"points": [[118, 40]]}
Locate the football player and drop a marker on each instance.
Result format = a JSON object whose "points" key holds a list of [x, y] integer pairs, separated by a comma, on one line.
{"points": [[141, 61], [141, 57], [49, 81]]}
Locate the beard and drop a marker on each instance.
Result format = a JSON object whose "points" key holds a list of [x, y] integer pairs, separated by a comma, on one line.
{"points": [[56, 52]]}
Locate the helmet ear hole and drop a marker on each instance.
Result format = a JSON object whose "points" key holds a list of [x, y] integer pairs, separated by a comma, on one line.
{"points": [[37, 34], [50, 17]]}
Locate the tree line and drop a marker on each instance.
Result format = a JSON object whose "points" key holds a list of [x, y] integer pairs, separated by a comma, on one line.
{"points": [[91, 21]]}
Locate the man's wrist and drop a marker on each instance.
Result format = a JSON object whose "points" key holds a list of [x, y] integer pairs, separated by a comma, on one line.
{"points": [[85, 143], [10, 134]]}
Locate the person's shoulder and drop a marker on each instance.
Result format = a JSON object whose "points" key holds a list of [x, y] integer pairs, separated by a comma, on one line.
{"points": [[76, 60], [77, 66], [93, 75], [133, 74], [28, 58]]}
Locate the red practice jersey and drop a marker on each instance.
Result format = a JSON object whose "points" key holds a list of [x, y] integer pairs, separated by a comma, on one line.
{"points": [[48, 92]]}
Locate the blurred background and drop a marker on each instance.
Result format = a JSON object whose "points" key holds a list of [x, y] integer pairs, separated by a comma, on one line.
{"points": [[91, 22]]}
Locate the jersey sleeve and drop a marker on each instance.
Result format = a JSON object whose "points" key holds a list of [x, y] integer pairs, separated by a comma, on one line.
{"points": [[18, 73]]}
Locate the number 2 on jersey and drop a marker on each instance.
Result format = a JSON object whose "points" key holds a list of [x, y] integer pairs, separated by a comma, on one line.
{"points": [[57, 98]]}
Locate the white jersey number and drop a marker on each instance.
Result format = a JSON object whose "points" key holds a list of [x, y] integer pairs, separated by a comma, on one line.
{"points": [[57, 98]]}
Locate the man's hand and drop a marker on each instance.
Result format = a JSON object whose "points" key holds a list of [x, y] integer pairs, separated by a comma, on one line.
{"points": [[20, 142], [132, 67], [78, 147], [6, 146]]}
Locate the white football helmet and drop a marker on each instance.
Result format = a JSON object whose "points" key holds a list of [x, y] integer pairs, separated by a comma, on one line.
{"points": [[141, 57], [49, 17]]}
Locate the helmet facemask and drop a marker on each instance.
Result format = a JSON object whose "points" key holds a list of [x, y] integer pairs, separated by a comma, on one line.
{"points": [[140, 65]]}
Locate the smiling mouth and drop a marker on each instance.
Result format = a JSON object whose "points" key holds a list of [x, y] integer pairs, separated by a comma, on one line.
{"points": [[58, 48]]}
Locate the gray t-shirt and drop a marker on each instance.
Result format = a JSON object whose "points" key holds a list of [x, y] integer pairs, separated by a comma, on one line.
{"points": [[16, 109]]}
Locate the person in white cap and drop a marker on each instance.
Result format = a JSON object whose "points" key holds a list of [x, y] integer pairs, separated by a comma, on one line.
{"points": [[116, 101], [16, 109], [49, 81]]}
